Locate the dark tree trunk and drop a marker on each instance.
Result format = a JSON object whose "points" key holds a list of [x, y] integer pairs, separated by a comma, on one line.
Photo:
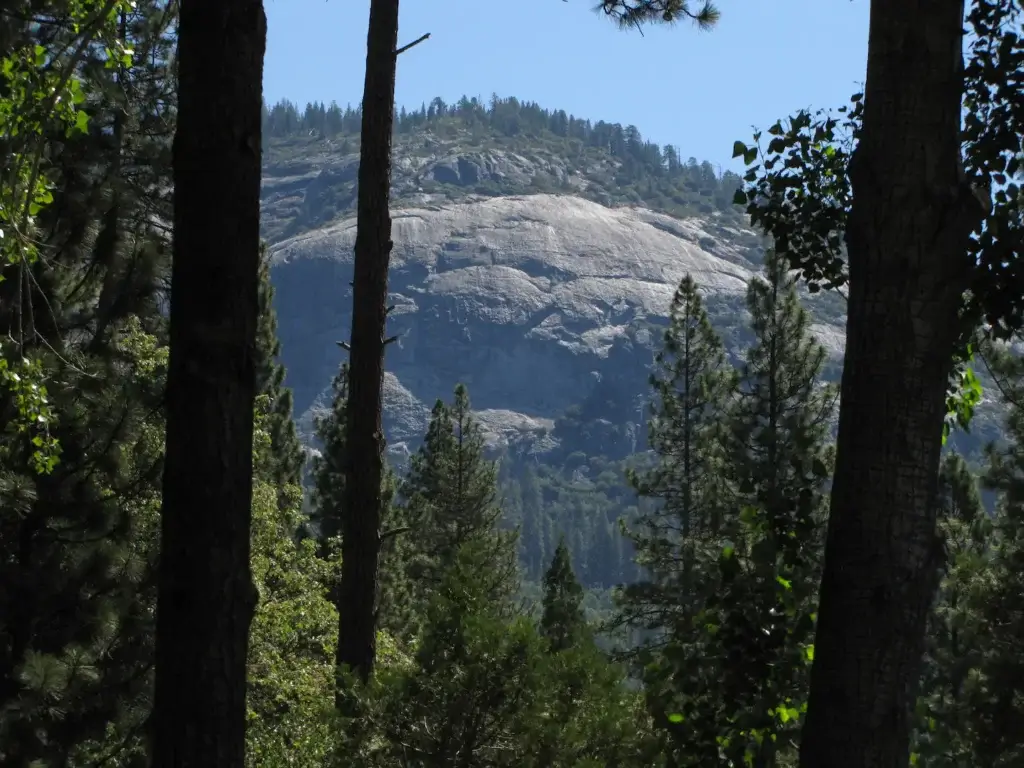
{"points": [[360, 539], [907, 237], [206, 596]]}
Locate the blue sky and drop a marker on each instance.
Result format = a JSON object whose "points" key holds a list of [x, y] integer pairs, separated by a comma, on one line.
{"points": [[697, 90]]}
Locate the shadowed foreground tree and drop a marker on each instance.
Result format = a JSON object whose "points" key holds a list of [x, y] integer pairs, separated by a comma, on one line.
{"points": [[360, 542], [206, 595], [907, 277], [363, 495]]}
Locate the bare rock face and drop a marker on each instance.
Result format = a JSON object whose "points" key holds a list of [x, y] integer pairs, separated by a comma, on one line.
{"points": [[536, 303]]}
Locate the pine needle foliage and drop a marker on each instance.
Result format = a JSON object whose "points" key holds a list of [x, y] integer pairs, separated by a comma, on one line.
{"points": [[636, 13]]}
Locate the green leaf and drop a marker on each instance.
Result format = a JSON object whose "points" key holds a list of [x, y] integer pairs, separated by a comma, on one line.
{"points": [[675, 717], [77, 95], [739, 149], [82, 121]]}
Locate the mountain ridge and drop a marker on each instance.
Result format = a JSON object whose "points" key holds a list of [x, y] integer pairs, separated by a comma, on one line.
{"points": [[443, 153]]}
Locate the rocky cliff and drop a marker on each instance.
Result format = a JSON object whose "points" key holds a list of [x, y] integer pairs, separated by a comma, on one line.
{"points": [[535, 302]]}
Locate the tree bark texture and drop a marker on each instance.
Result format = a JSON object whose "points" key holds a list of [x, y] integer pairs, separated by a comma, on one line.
{"points": [[360, 536], [912, 215], [206, 596]]}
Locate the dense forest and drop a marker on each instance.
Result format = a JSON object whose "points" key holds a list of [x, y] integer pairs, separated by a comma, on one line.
{"points": [[176, 576]]}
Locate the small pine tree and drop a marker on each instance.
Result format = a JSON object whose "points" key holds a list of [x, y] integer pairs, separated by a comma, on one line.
{"points": [[781, 418], [329, 466], [475, 675], [482, 686], [535, 534], [285, 460], [562, 621], [475, 668], [451, 499]]}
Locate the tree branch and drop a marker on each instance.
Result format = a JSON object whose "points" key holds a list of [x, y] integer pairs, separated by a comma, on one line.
{"points": [[417, 41], [394, 532]]}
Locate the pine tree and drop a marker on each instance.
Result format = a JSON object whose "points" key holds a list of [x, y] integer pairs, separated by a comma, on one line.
{"points": [[691, 384], [633, 13], [78, 539], [585, 704], [483, 687], [778, 440], [77, 559], [562, 621], [328, 469], [451, 499], [474, 677], [286, 458], [475, 663], [535, 533]]}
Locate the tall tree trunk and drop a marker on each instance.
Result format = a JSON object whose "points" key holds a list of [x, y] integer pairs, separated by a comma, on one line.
{"points": [[206, 595], [912, 215], [360, 537]]}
